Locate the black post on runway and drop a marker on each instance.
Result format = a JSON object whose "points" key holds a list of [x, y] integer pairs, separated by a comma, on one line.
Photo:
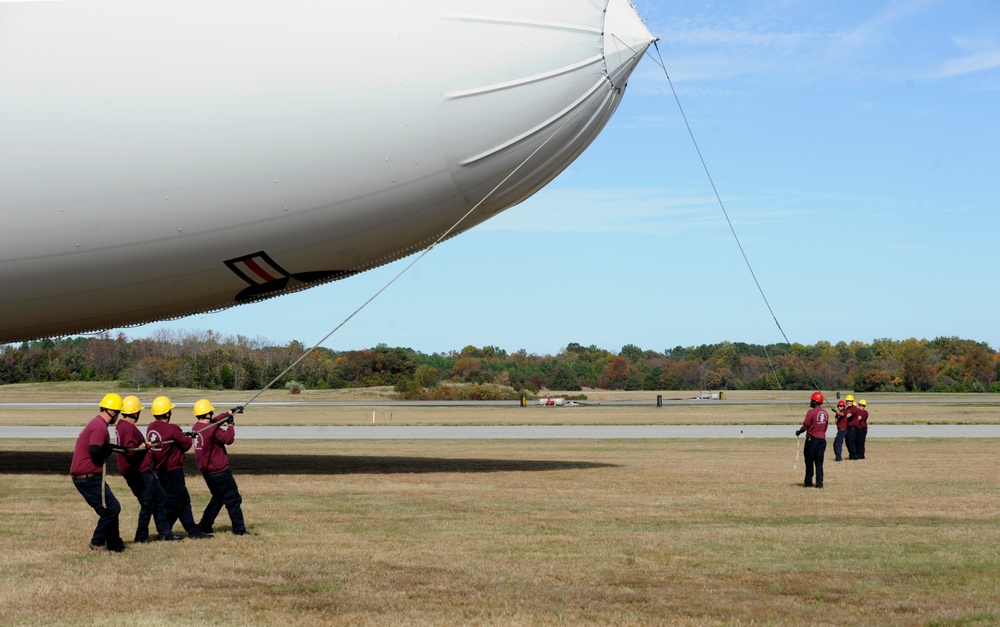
{"points": [[659, 400]]}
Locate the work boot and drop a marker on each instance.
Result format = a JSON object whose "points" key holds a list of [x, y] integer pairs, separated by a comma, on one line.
{"points": [[170, 537], [206, 529], [243, 532], [199, 535], [142, 540]]}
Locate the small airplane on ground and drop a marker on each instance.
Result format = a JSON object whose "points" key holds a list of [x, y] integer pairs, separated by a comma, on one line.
{"points": [[165, 158]]}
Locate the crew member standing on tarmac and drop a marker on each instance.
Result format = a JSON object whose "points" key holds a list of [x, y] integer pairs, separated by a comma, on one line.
{"points": [[211, 437], [862, 427], [838, 442], [169, 444], [851, 411], [136, 466], [93, 448], [815, 426]]}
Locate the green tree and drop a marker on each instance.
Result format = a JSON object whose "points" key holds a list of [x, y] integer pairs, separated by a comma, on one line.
{"points": [[426, 376], [632, 353], [918, 374], [563, 378]]}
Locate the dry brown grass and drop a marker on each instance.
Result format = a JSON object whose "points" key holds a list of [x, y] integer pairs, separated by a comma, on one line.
{"points": [[717, 413], [686, 532], [984, 410]]}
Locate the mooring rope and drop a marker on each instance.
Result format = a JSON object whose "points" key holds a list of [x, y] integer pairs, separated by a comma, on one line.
{"points": [[732, 229]]}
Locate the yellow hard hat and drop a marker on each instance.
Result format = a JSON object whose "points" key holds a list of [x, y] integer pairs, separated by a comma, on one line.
{"points": [[112, 402], [131, 405], [863, 402], [203, 407], [849, 397], [162, 405]]}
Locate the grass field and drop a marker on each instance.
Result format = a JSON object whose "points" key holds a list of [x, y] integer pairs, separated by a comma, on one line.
{"points": [[967, 409], [679, 532]]}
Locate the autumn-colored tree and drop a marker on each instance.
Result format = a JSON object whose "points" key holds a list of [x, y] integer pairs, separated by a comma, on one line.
{"points": [[872, 380], [616, 373], [977, 366]]}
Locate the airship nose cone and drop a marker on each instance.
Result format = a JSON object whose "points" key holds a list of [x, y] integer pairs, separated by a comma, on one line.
{"points": [[625, 40]]}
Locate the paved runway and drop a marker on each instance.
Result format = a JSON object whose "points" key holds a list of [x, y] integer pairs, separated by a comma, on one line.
{"points": [[568, 432]]}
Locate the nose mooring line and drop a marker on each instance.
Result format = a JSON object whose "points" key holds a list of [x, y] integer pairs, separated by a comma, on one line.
{"points": [[732, 229]]}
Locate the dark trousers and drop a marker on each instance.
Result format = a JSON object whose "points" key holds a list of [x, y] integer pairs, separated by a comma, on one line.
{"points": [[178, 500], [838, 444], [106, 532], [862, 436], [852, 442], [222, 485], [813, 453], [152, 504]]}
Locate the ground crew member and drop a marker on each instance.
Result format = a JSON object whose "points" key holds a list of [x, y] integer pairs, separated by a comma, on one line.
{"points": [[851, 411], [212, 434], [169, 444], [815, 426], [862, 427], [137, 468], [838, 442], [93, 447]]}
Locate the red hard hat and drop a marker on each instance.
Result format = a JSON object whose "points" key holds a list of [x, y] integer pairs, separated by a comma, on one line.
{"points": [[841, 403], [818, 397]]}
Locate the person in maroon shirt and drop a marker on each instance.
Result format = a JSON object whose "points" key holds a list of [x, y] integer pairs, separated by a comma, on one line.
{"points": [[815, 424], [852, 427], [136, 467], [169, 444], [212, 434], [93, 447], [838, 442], [862, 428]]}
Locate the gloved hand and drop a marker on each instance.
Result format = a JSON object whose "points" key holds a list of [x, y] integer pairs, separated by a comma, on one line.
{"points": [[237, 410], [230, 419], [190, 434], [798, 433]]}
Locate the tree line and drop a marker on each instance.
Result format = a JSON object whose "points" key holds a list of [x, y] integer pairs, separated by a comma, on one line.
{"points": [[207, 360]]}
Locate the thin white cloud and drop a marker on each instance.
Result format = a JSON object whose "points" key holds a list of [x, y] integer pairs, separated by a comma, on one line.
{"points": [[970, 64], [781, 44]]}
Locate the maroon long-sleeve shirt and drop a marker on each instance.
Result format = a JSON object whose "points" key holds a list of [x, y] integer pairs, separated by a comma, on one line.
{"points": [[133, 462], [210, 444], [168, 456]]}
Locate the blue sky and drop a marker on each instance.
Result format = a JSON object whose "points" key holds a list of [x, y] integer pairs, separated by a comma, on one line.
{"points": [[856, 147]]}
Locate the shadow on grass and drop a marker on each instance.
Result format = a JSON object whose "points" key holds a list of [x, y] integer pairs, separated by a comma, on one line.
{"points": [[57, 463]]}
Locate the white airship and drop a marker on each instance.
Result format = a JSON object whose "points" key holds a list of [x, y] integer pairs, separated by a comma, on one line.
{"points": [[163, 158]]}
